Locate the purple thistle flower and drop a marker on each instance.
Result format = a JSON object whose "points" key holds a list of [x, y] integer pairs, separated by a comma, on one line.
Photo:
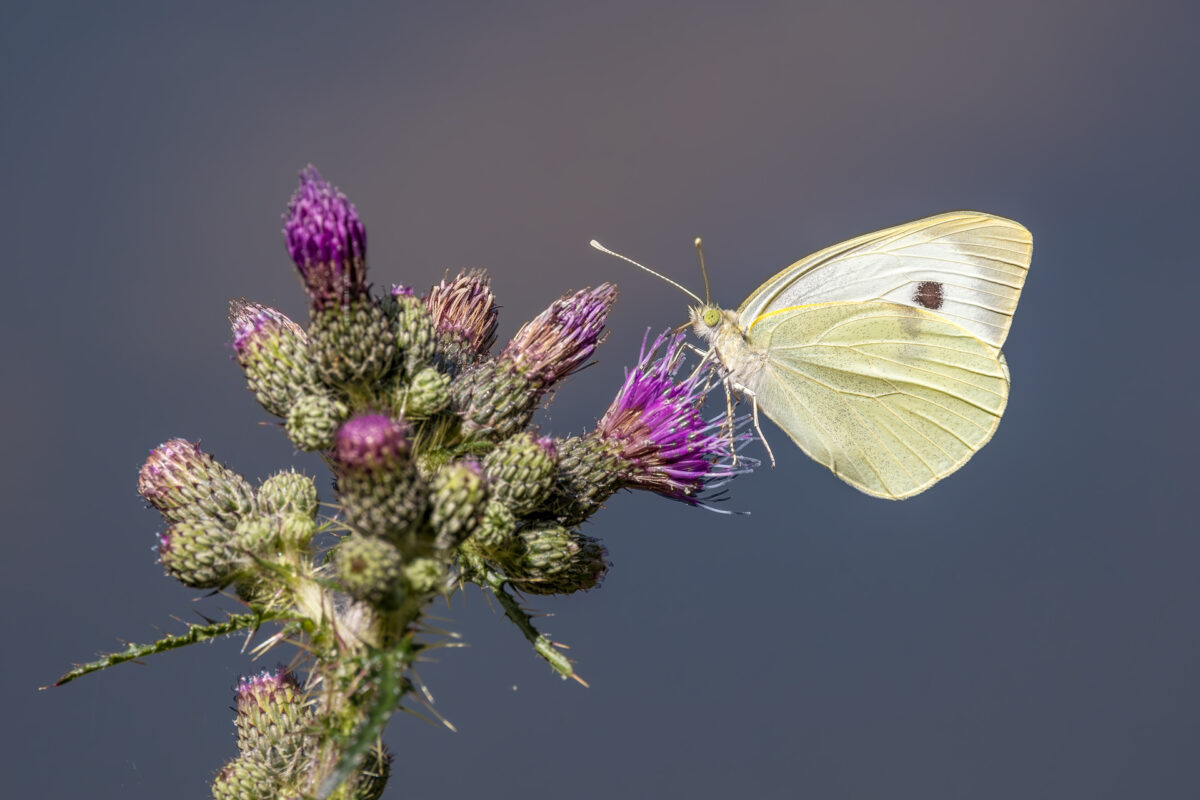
{"points": [[400, 290], [546, 443], [327, 241], [378, 485], [264, 688], [372, 442], [562, 338], [655, 426]]}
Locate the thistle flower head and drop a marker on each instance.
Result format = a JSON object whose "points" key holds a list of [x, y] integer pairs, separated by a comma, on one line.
{"points": [[380, 489], [549, 559], [273, 353], [415, 332], [458, 493], [371, 442], [521, 471], [255, 326], [171, 463], [655, 426], [266, 688], [464, 311], [370, 569], [327, 241], [312, 421], [272, 717], [201, 553], [245, 776], [562, 338], [183, 482], [288, 492]]}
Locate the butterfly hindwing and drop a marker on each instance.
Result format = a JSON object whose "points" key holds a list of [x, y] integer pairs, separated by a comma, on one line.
{"points": [[891, 398], [965, 266]]}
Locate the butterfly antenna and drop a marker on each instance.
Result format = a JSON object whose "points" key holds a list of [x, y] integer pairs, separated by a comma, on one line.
{"points": [[688, 292], [703, 272]]}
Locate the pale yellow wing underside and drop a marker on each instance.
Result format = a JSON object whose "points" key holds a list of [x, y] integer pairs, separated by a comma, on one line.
{"points": [[891, 398], [966, 266]]}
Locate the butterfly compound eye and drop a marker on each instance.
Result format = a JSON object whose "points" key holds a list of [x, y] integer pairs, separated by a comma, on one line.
{"points": [[711, 317]]}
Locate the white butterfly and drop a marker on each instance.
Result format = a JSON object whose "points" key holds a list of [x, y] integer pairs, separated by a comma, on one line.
{"points": [[880, 356]]}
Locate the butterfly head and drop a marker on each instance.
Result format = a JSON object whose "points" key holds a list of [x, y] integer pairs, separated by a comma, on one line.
{"points": [[708, 320]]}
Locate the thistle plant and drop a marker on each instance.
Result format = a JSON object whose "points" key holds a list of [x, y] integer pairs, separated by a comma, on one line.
{"points": [[439, 480]]}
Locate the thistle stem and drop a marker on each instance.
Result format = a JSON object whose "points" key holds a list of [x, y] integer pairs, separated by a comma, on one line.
{"points": [[542, 645], [195, 633]]}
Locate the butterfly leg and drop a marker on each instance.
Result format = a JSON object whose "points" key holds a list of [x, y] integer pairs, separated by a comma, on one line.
{"points": [[742, 390], [729, 421], [758, 429], [705, 357]]}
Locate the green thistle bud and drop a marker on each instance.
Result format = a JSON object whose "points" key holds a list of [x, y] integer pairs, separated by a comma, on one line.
{"points": [[246, 778], [427, 394], [202, 553], [590, 471], [425, 575], [183, 482], [457, 495], [313, 421], [288, 492], [414, 332], [494, 399], [373, 774], [272, 351], [370, 569], [258, 534], [272, 716], [354, 345], [296, 530], [496, 528], [379, 485], [553, 560], [520, 472]]}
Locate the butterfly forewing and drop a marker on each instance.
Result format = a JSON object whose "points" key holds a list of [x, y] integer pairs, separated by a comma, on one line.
{"points": [[891, 398], [964, 266]]}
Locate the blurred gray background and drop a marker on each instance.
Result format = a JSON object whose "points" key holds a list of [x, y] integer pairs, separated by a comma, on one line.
{"points": [[1025, 629]]}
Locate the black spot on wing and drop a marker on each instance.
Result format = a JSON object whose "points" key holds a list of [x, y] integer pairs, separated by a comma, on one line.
{"points": [[928, 294]]}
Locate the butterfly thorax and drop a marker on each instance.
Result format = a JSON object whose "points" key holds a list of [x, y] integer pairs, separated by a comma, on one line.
{"points": [[741, 362]]}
